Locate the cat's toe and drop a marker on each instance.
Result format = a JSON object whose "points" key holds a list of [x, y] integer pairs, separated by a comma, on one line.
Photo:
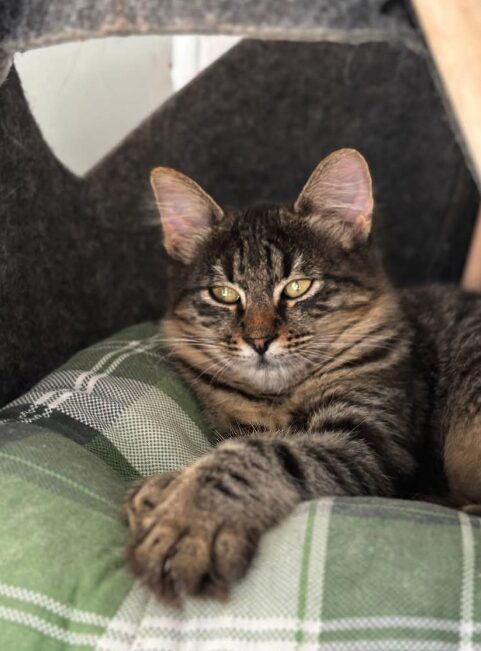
{"points": [[150, 559], [208, 559], [142, 500], [179, 549], [174, 557], [233, 550], [187, 566], [198, 556]]}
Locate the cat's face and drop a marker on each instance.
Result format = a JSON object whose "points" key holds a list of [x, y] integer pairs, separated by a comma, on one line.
{"points": [[265, 295]]}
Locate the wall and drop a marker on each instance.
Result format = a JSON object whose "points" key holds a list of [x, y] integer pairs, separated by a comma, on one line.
{"points": [[88, 96]]}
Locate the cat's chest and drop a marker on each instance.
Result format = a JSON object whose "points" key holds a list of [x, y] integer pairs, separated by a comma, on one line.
{"points": [[246, 416], [232, 413]]}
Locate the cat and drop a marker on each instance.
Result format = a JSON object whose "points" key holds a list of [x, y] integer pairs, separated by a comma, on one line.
{"points": [[323, 378]]}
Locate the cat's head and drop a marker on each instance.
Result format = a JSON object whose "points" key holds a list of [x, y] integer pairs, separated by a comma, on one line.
{"points": [[264, 296]]}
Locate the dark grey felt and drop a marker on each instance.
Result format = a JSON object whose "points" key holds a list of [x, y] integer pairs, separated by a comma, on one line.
{"points": [[254, 126], [67, 278], [25, 24], [82, 258]]}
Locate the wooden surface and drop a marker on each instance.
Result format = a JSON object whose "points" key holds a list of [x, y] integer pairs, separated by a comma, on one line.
{"points": [[453, 31], [472, 270]]}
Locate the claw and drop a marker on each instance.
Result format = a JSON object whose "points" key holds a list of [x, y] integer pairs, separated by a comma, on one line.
{"points": [[180, 549]]}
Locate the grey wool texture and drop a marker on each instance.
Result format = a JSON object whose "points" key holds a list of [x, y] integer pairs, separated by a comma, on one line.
{"points": [[81, 258], [26, 23]]}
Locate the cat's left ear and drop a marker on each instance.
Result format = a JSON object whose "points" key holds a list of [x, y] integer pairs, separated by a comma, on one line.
{"points": [[187, 213], [338, 197]]}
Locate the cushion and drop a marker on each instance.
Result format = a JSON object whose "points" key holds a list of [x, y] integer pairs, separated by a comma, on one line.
{"points": [[338, 574]]}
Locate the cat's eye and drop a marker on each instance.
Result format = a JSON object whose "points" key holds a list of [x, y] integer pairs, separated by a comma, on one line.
{"points": [[224, 294], [297, 288]]}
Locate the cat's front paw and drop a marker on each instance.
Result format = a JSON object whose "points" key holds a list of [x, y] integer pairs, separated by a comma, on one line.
{"points": [[183, 544]]}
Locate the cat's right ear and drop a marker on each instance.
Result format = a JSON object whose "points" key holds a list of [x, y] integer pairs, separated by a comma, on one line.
{"points": [[337, 198], [187, 212]]}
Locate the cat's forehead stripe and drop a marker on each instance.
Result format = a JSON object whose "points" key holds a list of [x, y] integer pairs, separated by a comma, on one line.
{"points": [[219, 275], [297, 264], [267, 261], [239, 262]]}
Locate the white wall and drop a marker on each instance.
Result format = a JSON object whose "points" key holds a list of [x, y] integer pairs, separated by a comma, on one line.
{"points": [[87, 96]]}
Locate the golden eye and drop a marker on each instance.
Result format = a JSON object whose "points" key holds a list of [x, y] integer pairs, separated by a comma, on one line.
{"points": [[224, 294], [297, 288]]}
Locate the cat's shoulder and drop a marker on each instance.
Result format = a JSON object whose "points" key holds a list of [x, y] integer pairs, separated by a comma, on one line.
{"points": [[440, 305]]}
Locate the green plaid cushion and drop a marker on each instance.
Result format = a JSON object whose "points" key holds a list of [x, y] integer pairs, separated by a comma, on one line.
{"points": [[338, 575]]}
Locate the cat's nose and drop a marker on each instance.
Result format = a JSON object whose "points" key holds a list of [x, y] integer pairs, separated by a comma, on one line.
{"points": [[259, 344]]}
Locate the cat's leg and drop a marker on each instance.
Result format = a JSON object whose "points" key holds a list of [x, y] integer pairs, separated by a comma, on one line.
{"points": [[196, 532], [462, 458], [461, 418]]}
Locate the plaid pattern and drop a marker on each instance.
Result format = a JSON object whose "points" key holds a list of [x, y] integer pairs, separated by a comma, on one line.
{"points": [[338, 575]]}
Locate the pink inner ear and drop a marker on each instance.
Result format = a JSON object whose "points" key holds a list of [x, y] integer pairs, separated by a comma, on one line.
{"points": [[340, 186], [344, 186], [186, 211], [181, 207]]}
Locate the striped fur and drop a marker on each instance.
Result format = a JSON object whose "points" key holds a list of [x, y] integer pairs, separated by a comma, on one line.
{"points": [[365, 390]]}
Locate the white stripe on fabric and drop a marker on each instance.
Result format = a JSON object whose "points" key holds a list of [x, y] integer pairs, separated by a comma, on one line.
{"points": [[136, 347], [93, 380], [58, 401], [466, 627], [128, 620], [170, 625], [52, 605], [146, 639], [387, 645], [122, 355], [128, 617], [66, 394], [103, 360], [324, 509], [153, 644], [47, 628], [379, 623], [84, 375], [43, 398]]}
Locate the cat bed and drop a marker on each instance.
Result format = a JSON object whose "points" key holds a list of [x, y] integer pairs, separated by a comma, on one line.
{"points": [[351, 574]]}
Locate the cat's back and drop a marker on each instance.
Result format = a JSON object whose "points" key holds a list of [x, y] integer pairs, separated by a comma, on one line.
{"points": [[442, 309], [446, 324]]}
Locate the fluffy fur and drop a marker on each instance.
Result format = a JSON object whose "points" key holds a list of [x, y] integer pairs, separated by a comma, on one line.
{"points": [[355, 388]]}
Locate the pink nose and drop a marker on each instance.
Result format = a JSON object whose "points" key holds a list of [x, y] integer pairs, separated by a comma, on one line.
{"points": [[259, 344]]}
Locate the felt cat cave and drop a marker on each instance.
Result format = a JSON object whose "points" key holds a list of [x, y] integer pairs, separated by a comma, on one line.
{"points": [[80, 259], [283, 106]]}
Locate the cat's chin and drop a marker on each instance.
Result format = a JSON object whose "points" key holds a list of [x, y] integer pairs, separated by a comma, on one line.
{"points": [[267, 375]]}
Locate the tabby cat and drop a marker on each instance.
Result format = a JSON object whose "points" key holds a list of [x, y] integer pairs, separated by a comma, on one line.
{"points": [[322, 378]]}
